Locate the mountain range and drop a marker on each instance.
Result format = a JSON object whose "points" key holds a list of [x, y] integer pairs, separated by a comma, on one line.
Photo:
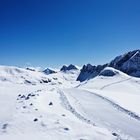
{"points": [[128, 63], [93, 103]]}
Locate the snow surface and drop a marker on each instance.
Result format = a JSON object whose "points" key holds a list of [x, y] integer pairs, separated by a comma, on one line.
{"points": [[57, 107], [121, 89], [104, 113]]}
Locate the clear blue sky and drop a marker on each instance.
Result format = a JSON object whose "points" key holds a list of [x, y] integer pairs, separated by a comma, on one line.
{"points": [[55, 32]]}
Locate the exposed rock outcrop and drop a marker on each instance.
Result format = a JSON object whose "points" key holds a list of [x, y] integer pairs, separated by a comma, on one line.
{"points": [[68, 68], [88, 71], [128, 63], [49, 71]]}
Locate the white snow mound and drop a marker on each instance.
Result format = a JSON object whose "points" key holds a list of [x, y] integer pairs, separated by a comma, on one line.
{"points": [[109, 71]]}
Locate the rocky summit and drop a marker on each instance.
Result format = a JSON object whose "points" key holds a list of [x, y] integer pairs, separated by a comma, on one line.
{"points": [[128, 63], [68, 68], [49, 71]]}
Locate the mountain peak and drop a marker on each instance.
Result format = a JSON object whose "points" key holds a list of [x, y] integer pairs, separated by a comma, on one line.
{"points": [[68, 68], [49, 71], [128, 63], [88, 71]]}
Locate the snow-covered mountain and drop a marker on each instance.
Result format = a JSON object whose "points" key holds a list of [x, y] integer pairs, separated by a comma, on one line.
{"points": [[49, 71], [21, 75], [16, 75], [110, 95], [128, 63], [55, 106], [41, 110], [116, 86]]}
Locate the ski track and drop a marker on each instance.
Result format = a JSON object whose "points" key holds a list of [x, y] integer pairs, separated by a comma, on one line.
{"points": [[115, 105], [119, 130], [65, 103], [108, 85]]}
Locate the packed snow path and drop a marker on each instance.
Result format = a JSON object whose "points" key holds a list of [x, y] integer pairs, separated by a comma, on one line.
{"points": [[65, 103], [103, 113], [118, 82]]}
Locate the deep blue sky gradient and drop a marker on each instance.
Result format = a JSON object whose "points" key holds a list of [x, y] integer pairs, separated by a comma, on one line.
{"points": [[55, 32]]}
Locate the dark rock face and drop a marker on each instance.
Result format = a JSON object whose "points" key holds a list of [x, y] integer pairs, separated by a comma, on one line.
{"points": [[35, 120], [50, 104], [68, 68], [128, 63], [108, 72], [49, 71], [31, 69], [88, 71], [64, 68]]}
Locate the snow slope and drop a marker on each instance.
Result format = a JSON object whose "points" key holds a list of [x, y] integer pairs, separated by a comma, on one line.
{"points": [[17, 75], [99, 110], [41, 116], [121, 89], [38, 111], [38, 106]]}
